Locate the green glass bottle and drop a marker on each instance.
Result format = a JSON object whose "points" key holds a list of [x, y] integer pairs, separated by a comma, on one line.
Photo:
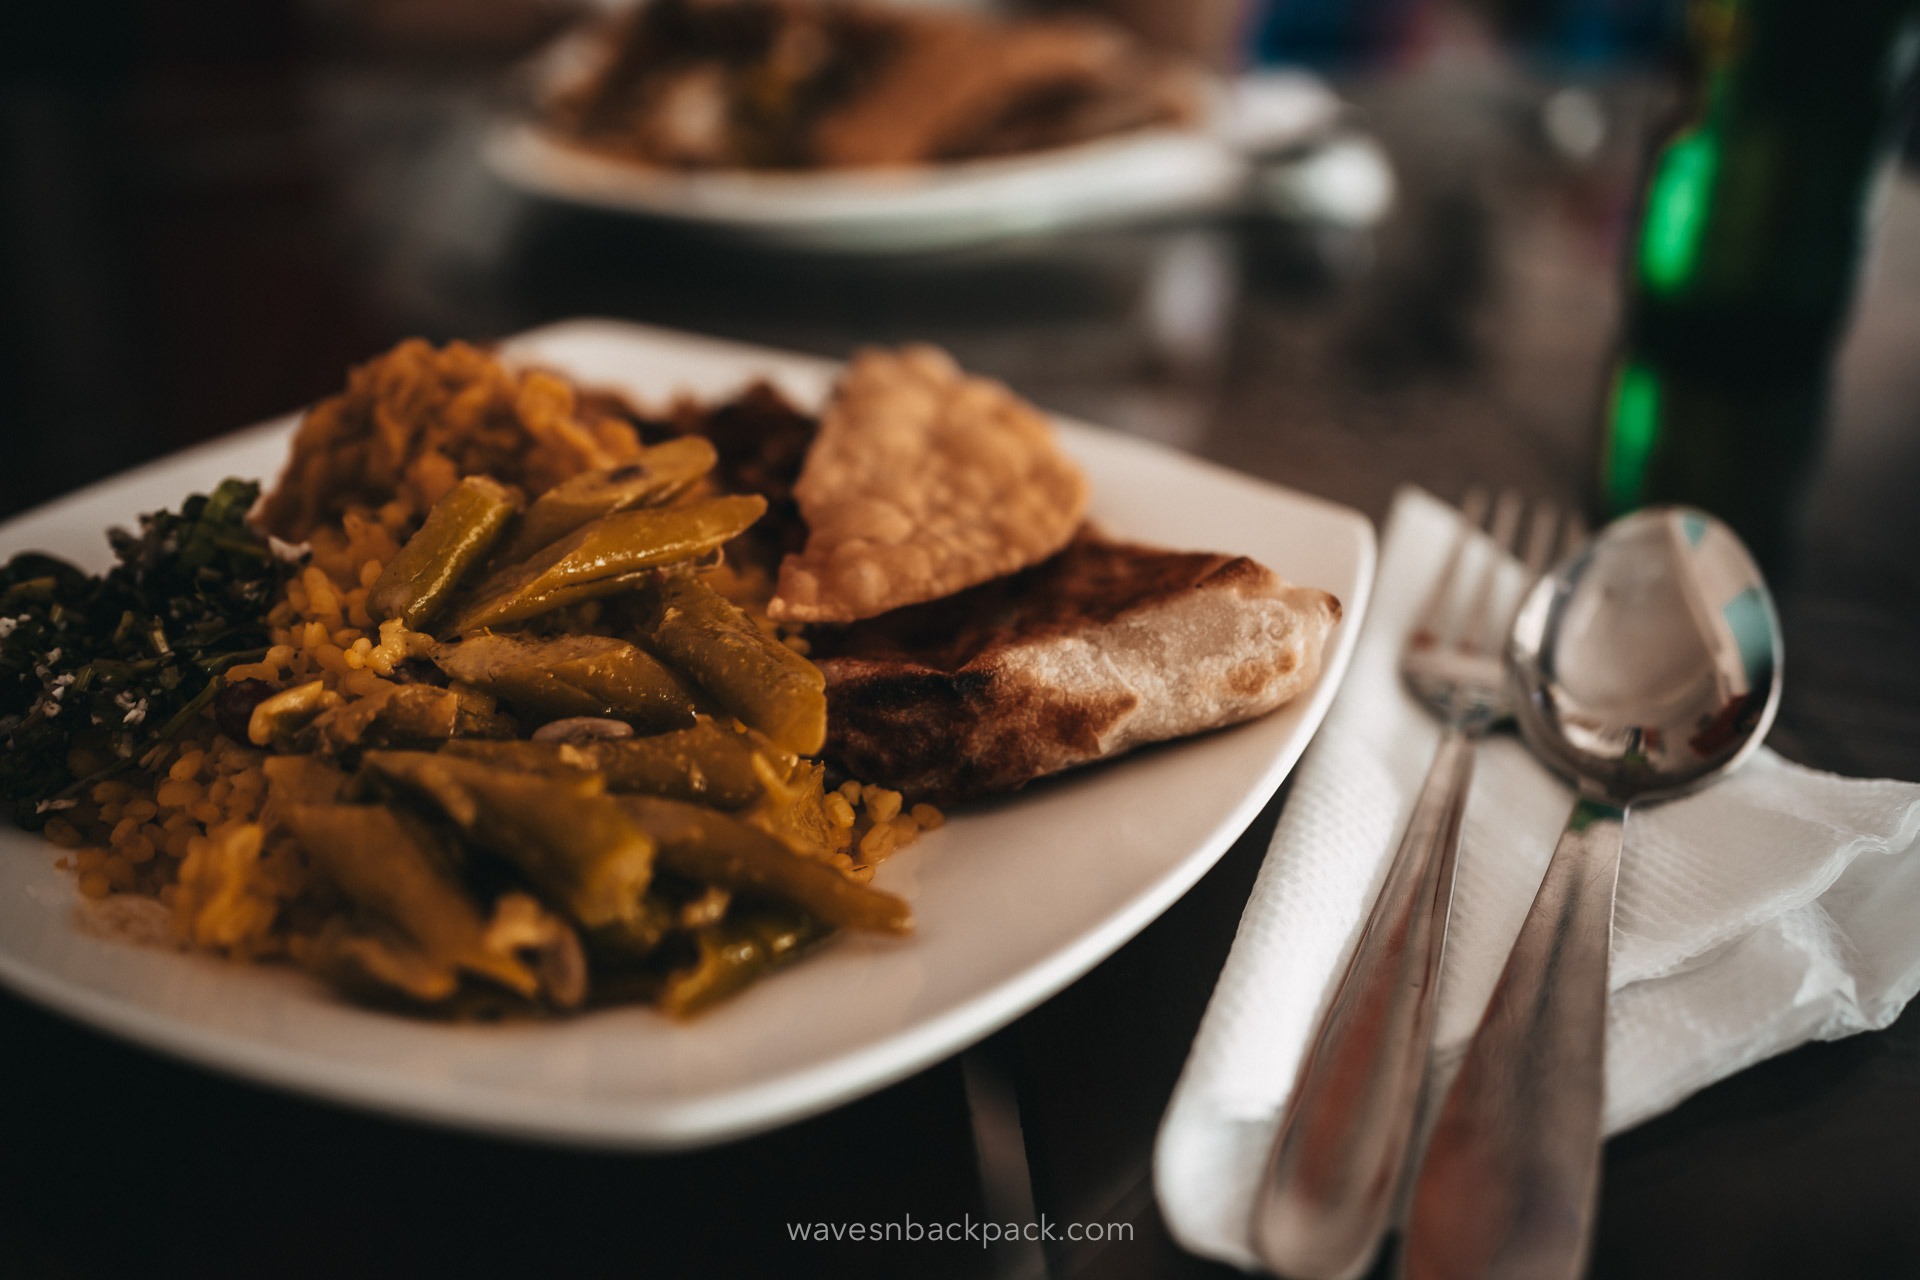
{"points": [[1743, 265]]}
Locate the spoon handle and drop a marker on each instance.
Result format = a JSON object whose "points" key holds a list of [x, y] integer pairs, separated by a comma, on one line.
{"points": [[1509, 1181], [1331, 1180]]}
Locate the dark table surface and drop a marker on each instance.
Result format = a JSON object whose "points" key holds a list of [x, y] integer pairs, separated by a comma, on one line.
{"points": [[194, 238]]}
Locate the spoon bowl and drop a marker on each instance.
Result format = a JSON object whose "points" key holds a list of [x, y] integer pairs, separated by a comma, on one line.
{"points": [[1646, 665]]}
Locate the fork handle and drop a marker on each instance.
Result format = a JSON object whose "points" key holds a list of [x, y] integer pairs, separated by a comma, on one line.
{"points": [[1335, 1170], [1507, 1188]]}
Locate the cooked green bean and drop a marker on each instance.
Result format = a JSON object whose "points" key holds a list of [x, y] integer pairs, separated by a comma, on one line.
{"points": [[457, 534], [393, 716], [746, 945], [310, 718], [659, 475], [710, 763], [747, 671], [627, 941], [715, 848], [570, 838], [571, 676], [394, 867], [606, 556]]}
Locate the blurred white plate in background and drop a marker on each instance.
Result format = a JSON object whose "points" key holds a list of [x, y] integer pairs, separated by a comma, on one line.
{"points": [[1130, 177]]}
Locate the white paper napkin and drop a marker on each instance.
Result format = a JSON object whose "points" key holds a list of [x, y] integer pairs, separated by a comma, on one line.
{"points": [[1780, 906]]}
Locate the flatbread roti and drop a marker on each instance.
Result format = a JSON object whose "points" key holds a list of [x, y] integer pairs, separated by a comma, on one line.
{"points": [[1104, 647]]}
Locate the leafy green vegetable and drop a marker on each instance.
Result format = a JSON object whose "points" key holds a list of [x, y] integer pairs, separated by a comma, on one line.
{"points": [[95, 670]]}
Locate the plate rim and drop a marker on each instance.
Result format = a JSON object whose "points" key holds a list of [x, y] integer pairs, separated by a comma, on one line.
{"points": [[882, 211], [757, 1106]]}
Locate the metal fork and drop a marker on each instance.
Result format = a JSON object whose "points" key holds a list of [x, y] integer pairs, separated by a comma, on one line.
{"points": [[1341, 1153]]}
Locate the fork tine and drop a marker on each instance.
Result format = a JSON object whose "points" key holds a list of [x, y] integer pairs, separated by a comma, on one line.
{"points": [[1541, 533], [1433, 627], [1505, 532], [1576, 534]]}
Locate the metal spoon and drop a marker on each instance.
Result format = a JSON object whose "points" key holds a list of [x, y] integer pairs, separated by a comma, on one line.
{"points": [[1645, 666]]}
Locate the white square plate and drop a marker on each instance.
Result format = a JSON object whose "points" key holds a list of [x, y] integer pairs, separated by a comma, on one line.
{"points": [[1013, 900]]}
